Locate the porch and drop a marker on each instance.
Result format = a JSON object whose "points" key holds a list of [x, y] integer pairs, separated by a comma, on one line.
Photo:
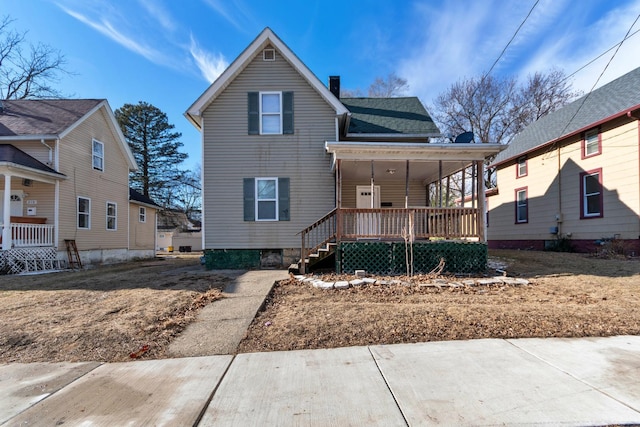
{"points": [[412, 194]]}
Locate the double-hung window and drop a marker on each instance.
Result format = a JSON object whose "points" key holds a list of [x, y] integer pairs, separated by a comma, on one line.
{"points": [[97, 155], [142, 214], [112, 216], [522, 206], [591, 194], [266, 199], [592, 143], [270, 113], [84, 213], [521, 167]]}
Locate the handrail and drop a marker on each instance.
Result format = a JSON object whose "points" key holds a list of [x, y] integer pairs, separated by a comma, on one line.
{"points": [[317, 234]]}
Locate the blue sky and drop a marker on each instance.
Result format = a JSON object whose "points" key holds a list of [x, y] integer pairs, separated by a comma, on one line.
{"points": [[167, 52]]}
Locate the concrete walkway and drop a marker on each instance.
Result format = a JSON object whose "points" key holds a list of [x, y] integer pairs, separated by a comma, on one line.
{"points": [[221, 325], [586, 381]]}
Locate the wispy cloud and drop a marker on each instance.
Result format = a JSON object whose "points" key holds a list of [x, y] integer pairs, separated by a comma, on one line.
{"points": [[107, 29], [211, 65], [235, 12], [159, 13]]}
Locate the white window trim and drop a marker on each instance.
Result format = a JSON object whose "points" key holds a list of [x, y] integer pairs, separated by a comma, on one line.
{"points": [[115, 216], [94, 155], [519, 205], [142, 214], [589, 134], [78, 213], [257, 200], [585, 195], [261, 114]]}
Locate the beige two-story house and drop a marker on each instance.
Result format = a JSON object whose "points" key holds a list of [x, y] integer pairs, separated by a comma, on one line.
{"points": [[64, 168], [293, 174], [572, 178]]}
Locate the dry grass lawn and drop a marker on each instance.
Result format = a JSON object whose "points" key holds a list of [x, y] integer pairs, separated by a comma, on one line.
{"points": [[569, 295], [110, 313]]}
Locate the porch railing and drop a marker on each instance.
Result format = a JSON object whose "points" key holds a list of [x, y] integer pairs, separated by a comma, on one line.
{"points": [[31, 235], [422, 223], [391, 224]]}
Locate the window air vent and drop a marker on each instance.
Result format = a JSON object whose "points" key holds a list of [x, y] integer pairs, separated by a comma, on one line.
{"points": [[269, 55]]}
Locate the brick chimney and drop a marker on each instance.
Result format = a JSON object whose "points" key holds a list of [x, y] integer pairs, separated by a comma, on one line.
{"points": [[334, 85]]}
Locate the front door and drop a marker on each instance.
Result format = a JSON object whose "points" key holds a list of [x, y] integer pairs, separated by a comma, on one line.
{"points": [[15, 206], [368, 222]]}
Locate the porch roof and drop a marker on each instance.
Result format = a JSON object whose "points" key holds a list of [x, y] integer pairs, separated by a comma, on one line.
{"points": [[361, 150], [17, 160]]}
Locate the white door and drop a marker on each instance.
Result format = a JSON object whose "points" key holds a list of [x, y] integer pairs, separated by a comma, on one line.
{"points": [[15, 206], [368, 223]]}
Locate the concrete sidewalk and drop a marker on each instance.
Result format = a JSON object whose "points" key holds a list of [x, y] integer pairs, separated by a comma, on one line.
{"points": [[585, 381], [221, 325]]}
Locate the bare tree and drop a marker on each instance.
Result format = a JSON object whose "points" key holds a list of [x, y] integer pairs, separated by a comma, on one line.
{"points": [[496, 109], [388, 87], [382, 87], [30, 73]]}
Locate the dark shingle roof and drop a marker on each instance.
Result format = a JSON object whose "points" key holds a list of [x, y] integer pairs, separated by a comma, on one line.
{"points": [[11, 154], [389, 116], [609, 100], [136, 196], [42, 116]]}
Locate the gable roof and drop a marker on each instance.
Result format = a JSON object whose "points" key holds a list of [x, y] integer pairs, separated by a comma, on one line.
{"points": [[23, 119], [10, 155], [612, 100], [139, 198], [388, 116], [266, 37]]}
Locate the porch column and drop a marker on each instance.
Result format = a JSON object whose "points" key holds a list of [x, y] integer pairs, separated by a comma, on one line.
{"points": [[6, 220], [482, 231]]}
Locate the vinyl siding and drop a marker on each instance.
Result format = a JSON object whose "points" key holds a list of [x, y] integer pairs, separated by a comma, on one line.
{"points": [[112, 185], [619, 162], [230, 154], [141, 234], [390, 192]]}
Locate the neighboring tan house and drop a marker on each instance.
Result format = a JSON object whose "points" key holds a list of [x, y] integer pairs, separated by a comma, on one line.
{"points": [[291, 172], [64, 176], [143, 220], [177, 233], [573, 176]]}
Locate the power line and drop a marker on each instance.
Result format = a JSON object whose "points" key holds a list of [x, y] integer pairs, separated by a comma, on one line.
{"points": [[511, 40]]}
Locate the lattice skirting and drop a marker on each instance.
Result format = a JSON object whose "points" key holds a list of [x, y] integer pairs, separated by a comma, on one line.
{"points": [[390, 257], [23, 260]]}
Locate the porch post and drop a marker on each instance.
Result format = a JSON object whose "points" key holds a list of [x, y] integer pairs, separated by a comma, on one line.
{"points": [[373, 195], [482, 232], [6, 217], [406, 187], [440, 183]]}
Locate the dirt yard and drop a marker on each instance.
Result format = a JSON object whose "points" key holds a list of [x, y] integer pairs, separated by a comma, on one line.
{"points": [[103, 314], [569, 295], [136, 309]]}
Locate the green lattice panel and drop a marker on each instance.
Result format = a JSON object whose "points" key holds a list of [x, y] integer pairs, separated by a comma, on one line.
{"points": [[389, 258]]}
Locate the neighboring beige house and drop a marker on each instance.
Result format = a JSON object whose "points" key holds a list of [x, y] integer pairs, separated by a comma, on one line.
{"points": [[573, 175], [143, 220], [64, 175], [291, 172]]}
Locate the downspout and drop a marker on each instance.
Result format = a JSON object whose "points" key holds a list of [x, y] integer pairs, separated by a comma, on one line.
{"points": [[56, 198], [50, 151], [559, 218], [632, 116]]}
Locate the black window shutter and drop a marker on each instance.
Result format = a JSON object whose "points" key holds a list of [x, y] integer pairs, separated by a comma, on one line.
{"points": [[254, 113], [249, 199], [287, 113], [283, 199]]}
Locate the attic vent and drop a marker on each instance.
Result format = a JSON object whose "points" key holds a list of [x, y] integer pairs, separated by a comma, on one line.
{"points": [[269, 55]]}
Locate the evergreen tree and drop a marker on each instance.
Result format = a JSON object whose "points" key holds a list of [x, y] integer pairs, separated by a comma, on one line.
{"points": [[156, 149]]}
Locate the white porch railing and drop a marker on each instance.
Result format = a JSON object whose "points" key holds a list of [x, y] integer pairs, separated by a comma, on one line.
{"points": [[31, 235]]}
